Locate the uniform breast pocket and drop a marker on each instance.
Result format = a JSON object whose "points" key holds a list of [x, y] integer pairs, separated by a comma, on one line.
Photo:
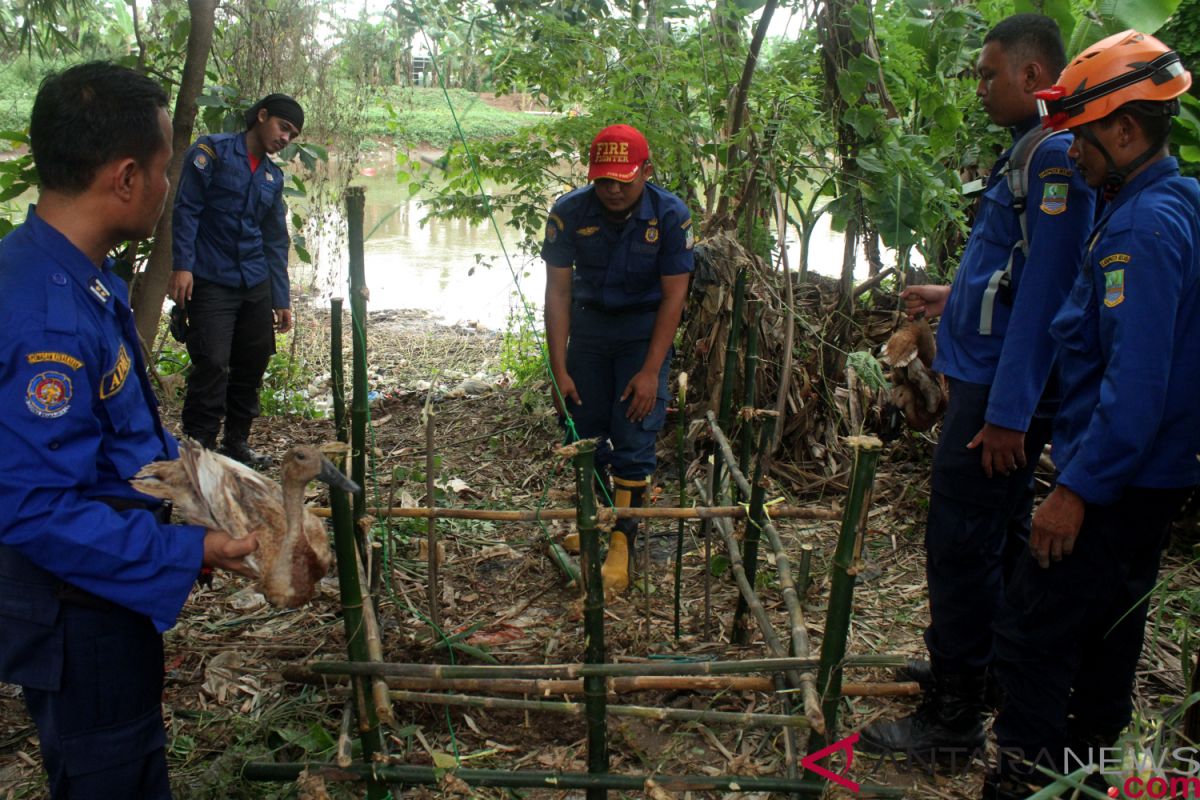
{"points": [[591, 259], [227, 191], [641, 273], [1077, 326], [997, 221], [267, 194]]}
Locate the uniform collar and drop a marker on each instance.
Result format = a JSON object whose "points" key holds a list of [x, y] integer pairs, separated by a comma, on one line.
{"points": [[1163, 168], [70, 259], [1025, 127]]}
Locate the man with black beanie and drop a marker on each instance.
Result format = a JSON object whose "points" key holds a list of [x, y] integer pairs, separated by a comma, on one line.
{"points": [[230, 255]]}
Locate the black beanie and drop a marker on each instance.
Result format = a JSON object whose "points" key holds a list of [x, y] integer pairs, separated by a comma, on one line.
{"points": [[277, 105]]}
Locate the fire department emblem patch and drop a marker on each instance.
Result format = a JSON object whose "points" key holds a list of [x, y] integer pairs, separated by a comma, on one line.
{"points": [[48, 394]]}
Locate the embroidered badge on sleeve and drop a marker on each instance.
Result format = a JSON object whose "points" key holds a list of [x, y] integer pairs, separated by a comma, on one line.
{"points": [[1054, 198], [1114, 288], [48, 394]]}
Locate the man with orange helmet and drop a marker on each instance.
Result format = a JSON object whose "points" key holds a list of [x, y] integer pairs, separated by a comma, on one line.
{"points": [[1127, 433]]}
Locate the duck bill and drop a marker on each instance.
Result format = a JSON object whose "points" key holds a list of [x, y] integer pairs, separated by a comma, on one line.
{"points": [[333, 476]]}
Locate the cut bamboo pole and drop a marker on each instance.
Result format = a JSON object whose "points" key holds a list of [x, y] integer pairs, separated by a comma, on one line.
{"points": [[356, 199], [746, 435], [374, 642], [757, 518], [557, 781], [337, 370], [547, 514], [742, 719], [806, 552], [742, 667], [681, 458], [344, 753], [594, 692], [844, 569], [433, 587], [535, 687]]}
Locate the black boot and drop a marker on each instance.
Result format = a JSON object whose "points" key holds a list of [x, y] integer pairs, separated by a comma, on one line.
{"points": [[920, 671], [239, 450], [947, 724]]}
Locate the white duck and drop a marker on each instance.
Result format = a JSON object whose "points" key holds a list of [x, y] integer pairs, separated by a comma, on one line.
{"points": [[211, 490]]}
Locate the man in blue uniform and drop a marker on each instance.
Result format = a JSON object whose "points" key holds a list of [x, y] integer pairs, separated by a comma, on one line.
{"points": [[611, 321], [994, 347], [90, 574], [230, 253], [1126, 437]]}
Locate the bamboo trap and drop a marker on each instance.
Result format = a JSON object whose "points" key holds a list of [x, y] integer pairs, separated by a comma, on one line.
{"points": [[604, 514], [615, 686]]}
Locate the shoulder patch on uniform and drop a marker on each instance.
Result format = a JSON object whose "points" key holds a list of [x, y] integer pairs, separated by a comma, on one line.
{"points": [[114, 379], [48, 394], [588, 231], [1065, 172], [689, 241], [200, 162], [1115, 258], [1054, 198], [99, 290], [651, 235], [554, 224], [1114, 288], [45, 356], [211, 153]]}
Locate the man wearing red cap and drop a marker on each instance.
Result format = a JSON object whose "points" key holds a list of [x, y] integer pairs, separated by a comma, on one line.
{"points": [[618, 255]]}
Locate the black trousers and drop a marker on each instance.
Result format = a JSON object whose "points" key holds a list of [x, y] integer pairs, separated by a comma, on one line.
{"points": [[231, 337], [976, 527], [1068, 637]]}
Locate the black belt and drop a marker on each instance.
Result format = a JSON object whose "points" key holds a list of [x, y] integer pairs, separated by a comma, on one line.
{"points": [[73, 595], [624, 311]]}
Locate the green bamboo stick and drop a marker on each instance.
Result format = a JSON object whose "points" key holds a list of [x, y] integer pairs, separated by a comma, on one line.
{"points": [[681, 457], [748, 388], [754, 525], [743, 719], [595, 693], [337, 369], [606, 670], [404, 774], [841, 594], [356, 200]]}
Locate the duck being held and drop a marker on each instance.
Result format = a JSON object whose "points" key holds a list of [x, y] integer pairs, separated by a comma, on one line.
{"points": [[216, 492]]}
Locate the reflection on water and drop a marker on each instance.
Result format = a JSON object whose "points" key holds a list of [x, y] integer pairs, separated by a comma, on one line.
{"points": [[464, 272]]}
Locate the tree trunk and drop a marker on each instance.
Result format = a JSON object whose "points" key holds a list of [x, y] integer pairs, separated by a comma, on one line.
{"points": [[150, 287]]}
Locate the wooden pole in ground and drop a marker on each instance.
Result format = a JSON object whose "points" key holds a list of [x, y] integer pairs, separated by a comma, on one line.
{"points": [[356, 199], [337, 370], [845, 568], [433, 587], [595, 694], [754, 313], [758, 517], [681, 457]]}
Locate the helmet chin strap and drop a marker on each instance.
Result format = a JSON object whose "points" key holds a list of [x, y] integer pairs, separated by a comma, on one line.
{"points": [[1115, 177]]}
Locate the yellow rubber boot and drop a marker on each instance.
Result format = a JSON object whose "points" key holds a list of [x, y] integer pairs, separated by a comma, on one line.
{"points": [[614, 575]]}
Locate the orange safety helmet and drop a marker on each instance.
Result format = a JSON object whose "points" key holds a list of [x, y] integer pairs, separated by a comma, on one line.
{"points": [[1122, 68]]}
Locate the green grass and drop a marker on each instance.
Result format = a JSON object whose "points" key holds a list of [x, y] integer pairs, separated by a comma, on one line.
{"points": [[417, 116]]}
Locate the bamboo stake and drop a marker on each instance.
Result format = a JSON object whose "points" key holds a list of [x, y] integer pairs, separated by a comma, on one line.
{"points": [[337, 369], [558, 781], [681, 458], [564, 561], [546, 514], [748, 388], [844, 568], [374, 642], [356, 199], [614, 686], [806, 552], [433, 581], [742, 667], [789, 331], [756, 496], [741, 719], [595, 694], [344, 755]]}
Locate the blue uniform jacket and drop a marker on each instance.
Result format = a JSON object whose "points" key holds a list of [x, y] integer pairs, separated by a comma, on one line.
{"points": [[78, 421], [1016, 359], [1129, 345], [619, 268], [229, 225]]}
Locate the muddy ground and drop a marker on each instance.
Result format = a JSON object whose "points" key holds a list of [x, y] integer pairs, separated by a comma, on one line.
{"points": [[227, 702]]}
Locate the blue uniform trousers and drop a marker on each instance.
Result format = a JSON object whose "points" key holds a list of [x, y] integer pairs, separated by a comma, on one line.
{"points": [[230, 341], [101, 733], [1068, 637], [977, 525], [604, 351]]}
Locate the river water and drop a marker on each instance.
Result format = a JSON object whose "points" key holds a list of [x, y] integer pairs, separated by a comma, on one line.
{"points": [[460, 272]]}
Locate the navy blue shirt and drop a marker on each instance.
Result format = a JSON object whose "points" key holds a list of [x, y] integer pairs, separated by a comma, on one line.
{"points": [[77, 420], [230, 225], [1129, 345], [1016, 358], [619, 266]]}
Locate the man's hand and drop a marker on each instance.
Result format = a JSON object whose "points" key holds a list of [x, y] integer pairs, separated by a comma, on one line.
{"points": [[1055, 526], [643, 389], [222, 551], [283, 320], [927, 300], [180, 287], [1003, 449], [566, 391]]}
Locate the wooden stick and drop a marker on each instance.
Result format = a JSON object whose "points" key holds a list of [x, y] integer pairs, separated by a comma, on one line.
{"points": [[654, 512], [344, 755], [433, 587]]}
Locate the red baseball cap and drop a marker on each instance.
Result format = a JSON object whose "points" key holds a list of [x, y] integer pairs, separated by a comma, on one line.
{"points": [[618, 152]]}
